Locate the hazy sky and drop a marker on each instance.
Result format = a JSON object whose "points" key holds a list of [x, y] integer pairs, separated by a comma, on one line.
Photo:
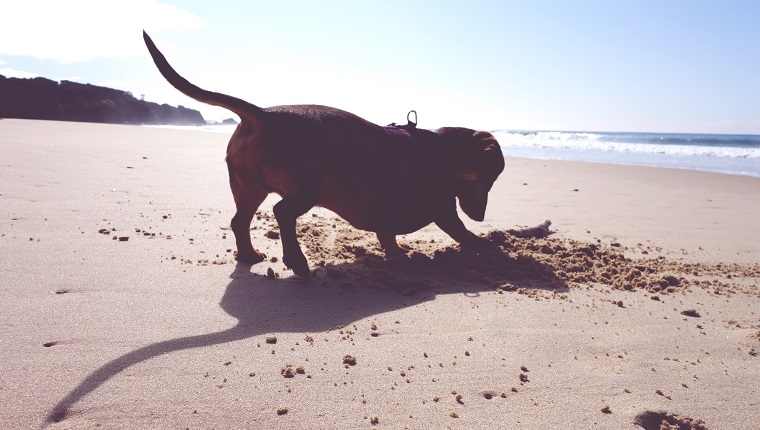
{"points": [[607, 65]]}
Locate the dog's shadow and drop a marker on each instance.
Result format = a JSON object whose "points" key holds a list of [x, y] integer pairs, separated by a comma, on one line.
{"points": [[339, 295]]}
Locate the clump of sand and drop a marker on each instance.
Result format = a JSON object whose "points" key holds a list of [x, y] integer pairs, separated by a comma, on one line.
{"points": [[658, 420]]}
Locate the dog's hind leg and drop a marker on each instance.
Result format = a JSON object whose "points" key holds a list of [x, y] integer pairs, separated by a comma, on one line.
{"points": [[241, 224], [286, 212], [247, 201]]}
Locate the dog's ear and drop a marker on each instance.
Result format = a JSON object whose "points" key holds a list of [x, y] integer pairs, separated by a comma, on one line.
{"points": [[488, 157], [477, 172]]}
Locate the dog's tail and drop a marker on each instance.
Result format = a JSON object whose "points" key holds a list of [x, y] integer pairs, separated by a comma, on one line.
{"points": [[242, 108]]}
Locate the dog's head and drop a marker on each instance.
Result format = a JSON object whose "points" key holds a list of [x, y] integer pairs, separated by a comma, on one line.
{"points": [[478, 161]]}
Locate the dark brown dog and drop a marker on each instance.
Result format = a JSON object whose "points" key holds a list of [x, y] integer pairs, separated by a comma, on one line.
{"points": [[386, 180]]}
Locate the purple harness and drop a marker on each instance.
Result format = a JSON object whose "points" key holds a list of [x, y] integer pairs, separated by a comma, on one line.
{"points": [[397, 133]]}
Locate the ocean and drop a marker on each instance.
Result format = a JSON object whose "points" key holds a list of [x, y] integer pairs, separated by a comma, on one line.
{"points": [[720, 153]]}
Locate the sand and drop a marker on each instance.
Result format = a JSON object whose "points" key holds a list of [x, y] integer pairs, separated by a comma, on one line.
{"points": [[124, 308]]}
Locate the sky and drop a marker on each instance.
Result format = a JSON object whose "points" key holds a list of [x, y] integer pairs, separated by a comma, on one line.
{"points": [[606, 65]]}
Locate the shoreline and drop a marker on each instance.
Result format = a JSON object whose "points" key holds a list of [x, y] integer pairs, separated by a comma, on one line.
{"points": [[165, 330]]}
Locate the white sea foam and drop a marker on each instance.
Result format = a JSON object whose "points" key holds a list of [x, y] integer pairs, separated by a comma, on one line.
{"points": [[214, 128], [644, 143]]}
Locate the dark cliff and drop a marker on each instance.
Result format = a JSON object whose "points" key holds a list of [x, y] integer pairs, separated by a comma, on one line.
{"points": [[41, 98]]}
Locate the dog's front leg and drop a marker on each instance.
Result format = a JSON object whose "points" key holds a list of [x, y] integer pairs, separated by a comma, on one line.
{"points": [[389, 244], [454, 227], [286, 212]]}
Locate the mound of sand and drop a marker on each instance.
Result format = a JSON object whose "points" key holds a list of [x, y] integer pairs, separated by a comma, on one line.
{"points": [[338, 251]]}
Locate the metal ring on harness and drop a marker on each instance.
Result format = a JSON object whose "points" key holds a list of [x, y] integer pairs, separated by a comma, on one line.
{"points": [[409, 121], [409, 124]]}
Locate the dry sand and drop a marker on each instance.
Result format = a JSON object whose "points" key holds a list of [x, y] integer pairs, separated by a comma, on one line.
{"points": [[123, 306]]}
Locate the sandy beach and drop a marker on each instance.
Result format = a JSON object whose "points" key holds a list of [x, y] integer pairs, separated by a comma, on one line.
{"points": [[124, 307]]}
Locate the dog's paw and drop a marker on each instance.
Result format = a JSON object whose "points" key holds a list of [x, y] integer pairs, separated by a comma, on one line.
{"points": [[298, 265], [396, 251], [250, 257], [477, 243]]}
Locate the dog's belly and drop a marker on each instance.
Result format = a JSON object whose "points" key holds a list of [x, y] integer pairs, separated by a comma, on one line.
{"points": [[374, 212], [346, 203]]}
